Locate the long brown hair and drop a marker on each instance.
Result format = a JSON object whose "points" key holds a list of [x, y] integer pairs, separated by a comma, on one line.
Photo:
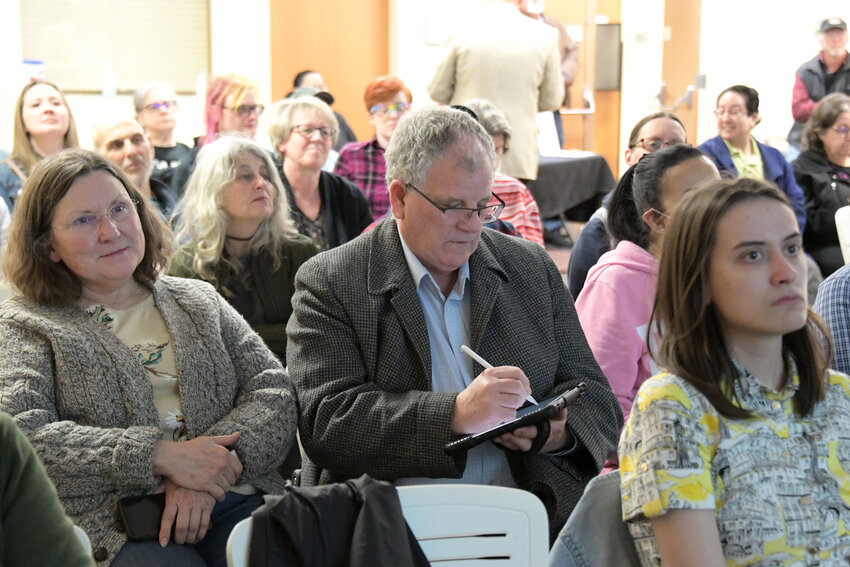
{"points": [[26, 261], [22, 149], [693, 345]]}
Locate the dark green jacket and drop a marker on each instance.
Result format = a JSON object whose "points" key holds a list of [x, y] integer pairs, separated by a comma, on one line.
{"points": [[34, 529], [274, 287]]}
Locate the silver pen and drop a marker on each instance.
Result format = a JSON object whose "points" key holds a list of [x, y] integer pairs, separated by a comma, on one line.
{"points": [[477, 358]]}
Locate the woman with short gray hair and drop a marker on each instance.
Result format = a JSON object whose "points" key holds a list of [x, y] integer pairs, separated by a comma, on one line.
{"points": [[327, 208]]}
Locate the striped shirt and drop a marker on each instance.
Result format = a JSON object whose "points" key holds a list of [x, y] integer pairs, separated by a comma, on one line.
{"points": [[520, 207], [363, 164]]}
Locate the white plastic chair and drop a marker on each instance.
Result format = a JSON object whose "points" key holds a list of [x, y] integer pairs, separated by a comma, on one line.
{"points": [[239, 544], [842, 223], [462, 525], [457, 525], [84, 539]]}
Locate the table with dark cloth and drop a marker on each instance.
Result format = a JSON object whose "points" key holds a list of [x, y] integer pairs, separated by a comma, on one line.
{"points": [[571, 184]]}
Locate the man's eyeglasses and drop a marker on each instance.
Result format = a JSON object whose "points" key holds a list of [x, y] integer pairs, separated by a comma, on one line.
{"points": [[244, 110], [485, 214], [308, 131], [732, 111], [161, 105], [844, 129], [117, 213], [655, 144], [384, 110]]}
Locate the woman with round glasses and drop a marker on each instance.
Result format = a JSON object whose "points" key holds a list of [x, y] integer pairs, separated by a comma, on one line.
{"points": [[156, 110], [387, 100], [823, 171], [44, 126], [232, 106], [128, 382], [615, 305], [650, 133], [736, 153], [327, 208]]}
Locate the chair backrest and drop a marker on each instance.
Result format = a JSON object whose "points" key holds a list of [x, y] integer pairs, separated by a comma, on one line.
{"points": [[84, 539], [239, 544], [842, 223], [595, 534], [464, 525]]}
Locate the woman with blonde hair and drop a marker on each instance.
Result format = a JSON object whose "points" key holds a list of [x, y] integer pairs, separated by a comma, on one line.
{"points": [[44, 126], [737, 454], [327, 208], [234, 219]]}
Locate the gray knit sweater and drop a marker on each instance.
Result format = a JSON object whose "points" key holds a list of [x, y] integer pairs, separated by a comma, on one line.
{"points": [[87, 405]]}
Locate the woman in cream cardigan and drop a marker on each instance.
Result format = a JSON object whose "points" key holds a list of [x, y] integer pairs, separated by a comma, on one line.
{"points": [[127, 382]]}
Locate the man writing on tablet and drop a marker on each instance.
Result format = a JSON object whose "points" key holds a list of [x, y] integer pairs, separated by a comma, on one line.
{"points": [[377, 326]]}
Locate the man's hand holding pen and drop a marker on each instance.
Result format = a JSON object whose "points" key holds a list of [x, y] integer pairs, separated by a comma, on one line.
{"points": [[493, 397]]}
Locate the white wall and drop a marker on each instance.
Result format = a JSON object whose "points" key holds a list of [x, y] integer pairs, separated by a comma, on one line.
{"points": [[642, 34], [759, 43], [232, 49], [10, 69]]}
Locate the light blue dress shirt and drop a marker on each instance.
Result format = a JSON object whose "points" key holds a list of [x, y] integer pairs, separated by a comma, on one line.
{"points": [[448, 320]]}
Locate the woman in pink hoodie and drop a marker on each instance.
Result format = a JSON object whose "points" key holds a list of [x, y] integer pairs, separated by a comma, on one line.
{"points": [[615, 305]]}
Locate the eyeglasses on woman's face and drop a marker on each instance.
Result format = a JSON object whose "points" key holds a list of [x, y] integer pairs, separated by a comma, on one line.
{"points": [[384, 110], [842, 130], [161, 105], [244, 110], [118, 212], [308, 131], [732, 111], [655, 144]]}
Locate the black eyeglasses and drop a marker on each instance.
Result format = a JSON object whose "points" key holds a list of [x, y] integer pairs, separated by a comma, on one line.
{"points": [[246, 109], [485, 214], [655, 144]]}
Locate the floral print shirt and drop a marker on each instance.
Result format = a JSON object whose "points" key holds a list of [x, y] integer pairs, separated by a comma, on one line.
{"points": [[778, 483], [142, 328]]}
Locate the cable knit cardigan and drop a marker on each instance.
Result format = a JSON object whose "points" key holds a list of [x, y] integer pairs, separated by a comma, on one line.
{"points": [[87, 405]]}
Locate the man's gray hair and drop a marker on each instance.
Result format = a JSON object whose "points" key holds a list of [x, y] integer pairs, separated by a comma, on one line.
{"points": [[428, 133]]}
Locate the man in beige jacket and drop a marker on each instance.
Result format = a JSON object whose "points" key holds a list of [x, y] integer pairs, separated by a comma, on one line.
{"points": [[512, 61]]}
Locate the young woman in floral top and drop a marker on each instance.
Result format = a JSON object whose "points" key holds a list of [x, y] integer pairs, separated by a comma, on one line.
{"points": [[740, 453]]}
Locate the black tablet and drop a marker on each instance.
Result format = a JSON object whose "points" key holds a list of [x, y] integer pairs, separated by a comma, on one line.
{"points": [[529, 415]]}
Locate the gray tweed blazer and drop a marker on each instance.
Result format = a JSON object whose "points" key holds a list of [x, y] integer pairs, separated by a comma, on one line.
{"points": [[87, 405], [358, 355]]}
